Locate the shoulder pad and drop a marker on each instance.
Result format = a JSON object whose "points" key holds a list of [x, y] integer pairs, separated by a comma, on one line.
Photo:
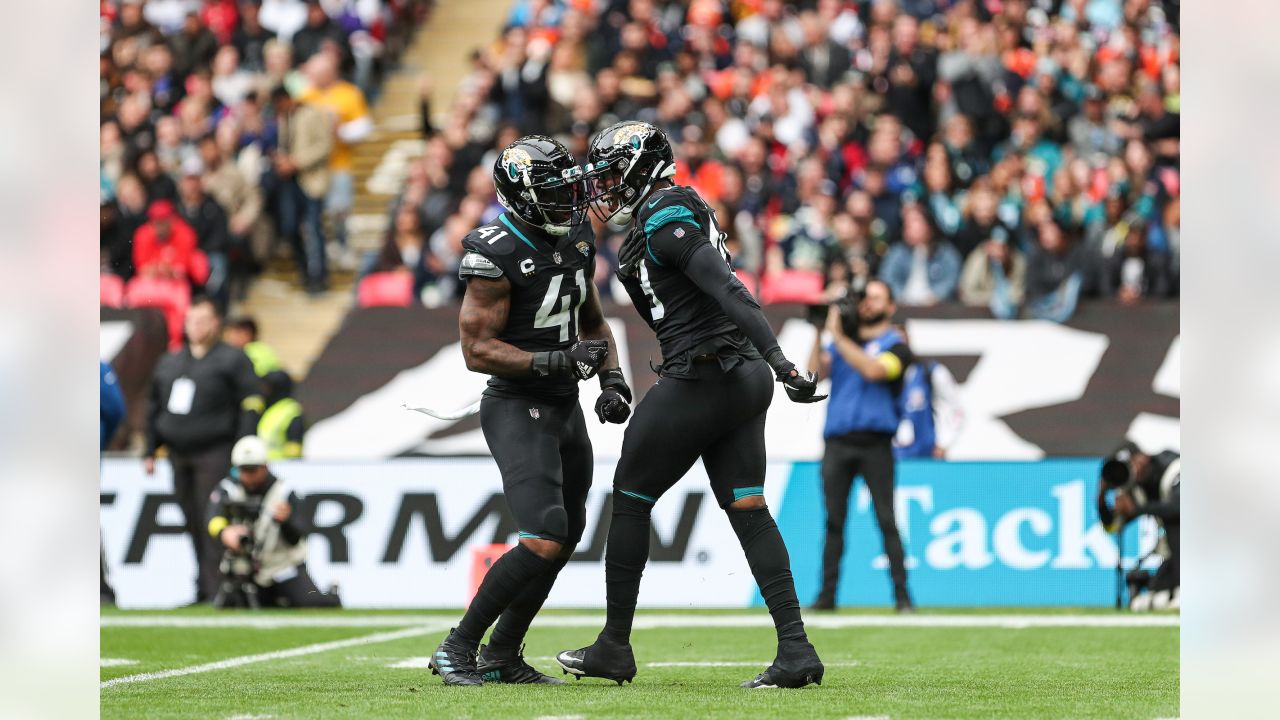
{"points": [[669, 205], [492, 240], [476, 265]]}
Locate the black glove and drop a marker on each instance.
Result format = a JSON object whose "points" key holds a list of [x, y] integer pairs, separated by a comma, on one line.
{"points": [[800, 388], [580, 361], [613, 405]]}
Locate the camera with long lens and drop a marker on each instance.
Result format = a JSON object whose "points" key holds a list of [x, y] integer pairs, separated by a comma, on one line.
{"points": [[237, 588], [847, 306]]}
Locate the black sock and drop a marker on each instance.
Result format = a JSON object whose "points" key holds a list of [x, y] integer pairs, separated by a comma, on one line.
{"points": [[771, 567], [514, 622], [511, 574], [624, 559]]}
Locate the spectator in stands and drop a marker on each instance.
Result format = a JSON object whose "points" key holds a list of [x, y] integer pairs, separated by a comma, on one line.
{"points": [[407, 250], [920, 270], [301, 164], [810, 244], [242, 333], [202, 398], [1055, 274], [994, 276], [242, 202], [209, 221], [351, 122], [318, 31], [130, 215], [159, 186], [193, 47], [981, 221], [282, 425], [165, 247], [1090, 133], [231, 82], [250, 37], [1136, 271]]}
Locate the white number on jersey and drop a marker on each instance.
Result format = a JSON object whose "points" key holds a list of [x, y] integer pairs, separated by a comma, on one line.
{"points": [[488, 230], [656, 311], [717, 238], [568, 312]]}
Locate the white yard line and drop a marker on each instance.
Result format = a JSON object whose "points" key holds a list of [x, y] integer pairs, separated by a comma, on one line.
{"points": [[276, 655], [649, 622], [735, 663], [115, 662]]}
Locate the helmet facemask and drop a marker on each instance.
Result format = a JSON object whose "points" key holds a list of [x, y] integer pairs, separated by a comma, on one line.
{"points": [[550, 198], [618, 185]]}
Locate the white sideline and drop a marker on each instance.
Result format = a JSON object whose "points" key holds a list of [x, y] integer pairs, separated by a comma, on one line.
{"points": [[276, 655], [649, 622]]}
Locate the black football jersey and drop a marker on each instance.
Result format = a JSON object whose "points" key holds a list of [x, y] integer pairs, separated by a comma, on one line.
{"points": [[550, 278], [672, 222]]}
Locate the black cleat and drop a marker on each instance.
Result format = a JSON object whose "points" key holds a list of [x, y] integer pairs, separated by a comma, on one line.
{"points": [[510, 669], [823, 603], [902, 603], [455, 664], [603, 659], [796, 665]]}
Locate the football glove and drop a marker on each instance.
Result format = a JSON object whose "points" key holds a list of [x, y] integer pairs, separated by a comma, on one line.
{"points": [[580, 361], [613, 405], [800, 388]]}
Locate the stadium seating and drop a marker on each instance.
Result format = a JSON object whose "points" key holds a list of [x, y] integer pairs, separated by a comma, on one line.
{"points": [[386, 289], [110, 290], [172, 297], [792, 286]]}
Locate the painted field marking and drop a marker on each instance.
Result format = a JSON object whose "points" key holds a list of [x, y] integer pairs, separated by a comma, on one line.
{"points": [[115, 662], [651, 622], [735, 663], [411, 663], [275, 655]]}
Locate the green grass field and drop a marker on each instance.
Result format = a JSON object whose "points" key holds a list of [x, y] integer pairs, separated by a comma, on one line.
{"points": [[367, 664]]}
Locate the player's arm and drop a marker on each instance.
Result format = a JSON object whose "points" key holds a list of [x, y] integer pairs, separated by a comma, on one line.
{"points": [[613, 405], [485, 308], [884, 367], [706, 267]]}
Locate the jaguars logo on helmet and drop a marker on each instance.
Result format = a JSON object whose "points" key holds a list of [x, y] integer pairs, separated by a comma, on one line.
{"points": [[624, 162], [537, 179]]}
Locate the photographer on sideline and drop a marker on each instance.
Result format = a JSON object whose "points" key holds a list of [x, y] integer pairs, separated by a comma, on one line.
{"points": [[865, 359], [255, 516], [1146, 485]]}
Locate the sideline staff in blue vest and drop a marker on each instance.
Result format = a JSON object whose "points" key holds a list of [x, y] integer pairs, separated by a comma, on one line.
{"points": [[865, 360]]}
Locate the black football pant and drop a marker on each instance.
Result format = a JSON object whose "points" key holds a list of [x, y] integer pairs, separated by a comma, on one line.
{"points": [[195, 475], [720, 418], [843, 460], [544, 454]]}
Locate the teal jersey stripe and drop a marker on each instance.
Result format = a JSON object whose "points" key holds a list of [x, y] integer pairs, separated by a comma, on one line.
{"points": [[739, 493], [638, 496], [667, 215], [524, 534], [510, 226]]}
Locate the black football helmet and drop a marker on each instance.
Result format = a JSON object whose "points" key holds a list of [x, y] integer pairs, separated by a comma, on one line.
{"points": [[624, 162], [537, 179]]}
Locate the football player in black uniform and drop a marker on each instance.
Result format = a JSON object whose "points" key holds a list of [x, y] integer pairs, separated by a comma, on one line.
{"points": [[531, 319], [719, 362]]}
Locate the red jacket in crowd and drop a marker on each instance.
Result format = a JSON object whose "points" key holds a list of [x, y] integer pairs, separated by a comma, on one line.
{"points": [[166, 247]]}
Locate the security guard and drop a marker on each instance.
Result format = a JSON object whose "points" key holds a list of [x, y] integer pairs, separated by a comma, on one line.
{"points": [[865, 360], [202, 399], [282, 424]]}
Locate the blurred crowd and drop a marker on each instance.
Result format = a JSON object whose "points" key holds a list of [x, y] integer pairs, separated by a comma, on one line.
{"points": [[227, 129], [1010, 154]]}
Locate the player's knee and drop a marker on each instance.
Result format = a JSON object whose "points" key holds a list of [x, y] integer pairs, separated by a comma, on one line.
{"points": [[542, 547], [626, 502], [750, 502]]}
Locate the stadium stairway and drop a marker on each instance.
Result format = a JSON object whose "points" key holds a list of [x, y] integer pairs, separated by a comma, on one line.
{"points": [[298, 326]]}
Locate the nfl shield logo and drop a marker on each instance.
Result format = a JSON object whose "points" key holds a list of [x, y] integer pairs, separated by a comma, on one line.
{"points": [[679, 232], [556, 257], [533, 413]]}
